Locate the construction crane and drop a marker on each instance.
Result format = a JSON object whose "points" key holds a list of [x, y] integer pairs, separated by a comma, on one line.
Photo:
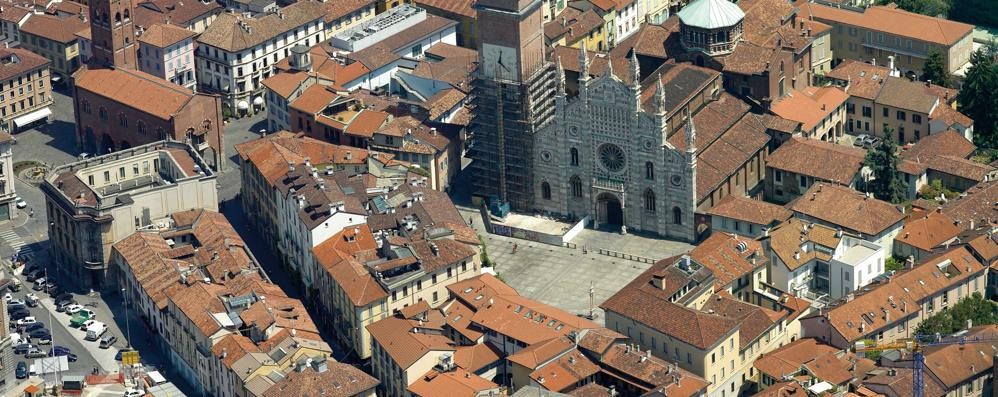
{"points": [[917, 346]]}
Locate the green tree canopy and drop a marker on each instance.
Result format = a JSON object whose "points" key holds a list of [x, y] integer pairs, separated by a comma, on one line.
{"points": [[883, 160], [979, 310], [978, 98], [935, 69], [925, 7]]}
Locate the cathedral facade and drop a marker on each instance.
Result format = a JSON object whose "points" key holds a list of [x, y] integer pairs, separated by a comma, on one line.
{"points": [[607, 155]]}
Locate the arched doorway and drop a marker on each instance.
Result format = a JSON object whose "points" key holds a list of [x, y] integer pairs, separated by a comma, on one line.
{"points": [[609, 211], [106, 145]]}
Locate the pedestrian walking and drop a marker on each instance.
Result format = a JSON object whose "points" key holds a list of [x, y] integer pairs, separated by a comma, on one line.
{"points": [[514, 248]]}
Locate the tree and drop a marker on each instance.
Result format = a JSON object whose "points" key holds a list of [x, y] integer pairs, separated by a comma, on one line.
{"points": [[977, 98], [976, 308], [935, 69], [894, 264], [977, 12], [882, 159]]}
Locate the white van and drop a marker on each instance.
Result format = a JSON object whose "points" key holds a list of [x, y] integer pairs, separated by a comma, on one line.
{"points": [[95, 330]]}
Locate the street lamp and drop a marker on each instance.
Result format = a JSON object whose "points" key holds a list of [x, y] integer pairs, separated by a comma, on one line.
{"points": [[128, 328]]}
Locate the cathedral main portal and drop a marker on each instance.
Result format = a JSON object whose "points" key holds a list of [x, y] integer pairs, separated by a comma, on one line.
{"points": [[609, 211]]}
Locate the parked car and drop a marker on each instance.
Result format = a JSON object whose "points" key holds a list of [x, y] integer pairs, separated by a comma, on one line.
{"points": [[15, 285], [26, 321], [35, 352], [7, 297], [31, 300], [62, 351], [73, 309], [51, 289], [63, 297], [95, 330], [19, 315], [22, 370], [34, 274], [32, 327], [14, 308], [19, 302], [22, 348], [61, 306], [107, 341], [42, 335], [81, 317], [860, 140], [39, 284], [19, 202]]}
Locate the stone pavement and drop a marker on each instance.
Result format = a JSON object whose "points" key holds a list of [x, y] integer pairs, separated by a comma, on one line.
{"points": [[561, 276]]}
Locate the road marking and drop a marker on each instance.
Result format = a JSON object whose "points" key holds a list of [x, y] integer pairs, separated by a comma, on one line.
{"points": [[14, 241]]}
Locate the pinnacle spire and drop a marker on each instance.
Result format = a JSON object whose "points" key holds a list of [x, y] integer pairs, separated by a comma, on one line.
{"points": [[660, 96], [635, 70], [561, 77], [691, 132], [583, 64]]}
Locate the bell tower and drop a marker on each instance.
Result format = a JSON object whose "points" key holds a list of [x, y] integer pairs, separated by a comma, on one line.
{"points": [[113, 33], [514, 97]]}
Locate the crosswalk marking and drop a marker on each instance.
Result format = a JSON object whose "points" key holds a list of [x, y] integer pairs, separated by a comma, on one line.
{"points": [[14, 241]]}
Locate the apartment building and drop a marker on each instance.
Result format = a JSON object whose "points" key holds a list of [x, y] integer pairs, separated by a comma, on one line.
{"points": [[346, 379], [735, 261], [893, 308], [12, 17], [820, 263], [853, 212], [820, 110], [266, 164], [955, 369], [746, 217], [94, 203], [25, 89], [880, 31], [227, 328], [880, 99], [167, 51], [809, 362], [56, 38], [801, 163], [7, 189], [576, 28], [237, 52], [359, 288], [656, 310]]}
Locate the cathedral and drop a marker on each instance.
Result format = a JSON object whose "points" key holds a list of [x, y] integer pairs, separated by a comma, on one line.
{"points": [[608, 155]]}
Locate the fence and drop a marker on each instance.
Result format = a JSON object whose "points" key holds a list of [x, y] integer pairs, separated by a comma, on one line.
{"points": [[621, 255]]}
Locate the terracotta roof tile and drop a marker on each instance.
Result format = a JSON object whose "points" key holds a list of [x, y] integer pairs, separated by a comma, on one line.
{"points": [[749, 210], [652, 372], [338, 9], [457, 383], [951, 117], [721, 253], [164, 35], [906, 94], [565, 371], [226, 33], [405, 347], [540, 353], [149, 12], [928, 231], [338, 380], [977, 206], [136, 89], [864, 80], [946, 143], [785, 242], [460, 7], [811, 105], [823, 161], [898, 22], [15, 61], [847, 208], [62, 30], [475, 357]]}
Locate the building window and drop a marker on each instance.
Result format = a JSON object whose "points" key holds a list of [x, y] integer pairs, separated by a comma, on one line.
{"points": [[901, 115], [916, 118], [102, 113], [649, 197], [778, 175], [887, 112], [576, 185], [867, 111], [141, 127], [122, 120], [677, 216], [546, 190], [575, 156], [649, 170]]}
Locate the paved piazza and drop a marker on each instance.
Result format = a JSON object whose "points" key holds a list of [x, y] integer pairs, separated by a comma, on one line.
{"points": [[561, 276]]}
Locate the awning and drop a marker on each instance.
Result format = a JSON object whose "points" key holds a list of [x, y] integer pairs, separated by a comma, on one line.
{"points": [[258, 101], [32, 117], [242, 105]]}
